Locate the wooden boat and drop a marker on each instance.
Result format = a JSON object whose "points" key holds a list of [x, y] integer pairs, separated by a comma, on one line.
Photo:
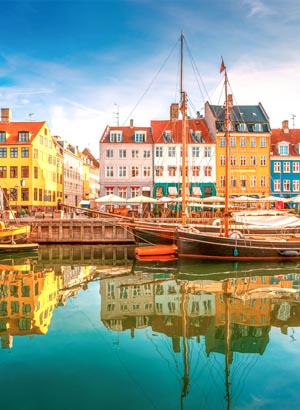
{"points": [[234, 245], [18, 247], [156, 252]]}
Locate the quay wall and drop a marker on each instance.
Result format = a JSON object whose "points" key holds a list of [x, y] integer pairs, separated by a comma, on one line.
{"points": [[81, 230]]}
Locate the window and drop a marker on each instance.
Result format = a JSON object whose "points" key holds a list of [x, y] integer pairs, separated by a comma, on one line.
{"points": [[252, 142], [296, 185], [122, 153], [253, 181], [243, 160], [147, 154], [263, 183], [115, 136], [139, 136], [25, 152], [135, 191], [122, 171], [286, 167], [122, 192], [23, 136], [119, 137], [135, 153], [167, 135], [232, 141], [35, 154], [295, 167], [286, 185], [13, 172], [222, 181], [3, 172], [207, 171], [277, 167], [222, 142], [172, 152], [35, 172], [159, 171], [158, 152], [277, 185], [232, 181], [263, 161], [283, 150], [109, 190], [109, 171], [195, 152], [258, 127], [242, 127], [25, 194], [243, 142], [14, 153], [233, 160], [171, 171], [253, 160], [2, 136], [146, 171], [25, 172], [109, 153], [50, 159], [196, 171], [222, 160], [207, 152], [243, 182], [263, 142], [3, 152], [134, 171]]}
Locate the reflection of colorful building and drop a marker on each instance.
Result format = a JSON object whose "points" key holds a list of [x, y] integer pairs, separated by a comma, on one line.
{"points": [[27, 301], [244, 306]]}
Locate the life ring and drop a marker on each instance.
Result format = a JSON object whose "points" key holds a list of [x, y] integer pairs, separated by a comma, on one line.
{"points": [[235, 235]]}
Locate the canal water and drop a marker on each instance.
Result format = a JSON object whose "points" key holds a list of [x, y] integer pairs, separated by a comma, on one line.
{"points": [[86, 327]]}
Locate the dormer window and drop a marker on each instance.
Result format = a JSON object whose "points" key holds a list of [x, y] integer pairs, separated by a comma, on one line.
{"points": [[23, 136], [115, 136], [2, 136], [283, 149], [197, 136], [167, 135], [140, 136], [257, 128], [242, 127]]}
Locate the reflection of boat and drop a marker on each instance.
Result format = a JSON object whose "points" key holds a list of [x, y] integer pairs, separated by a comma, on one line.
{"points": [[234, 245]]}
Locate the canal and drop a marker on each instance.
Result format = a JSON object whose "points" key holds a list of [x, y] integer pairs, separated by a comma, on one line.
{"points": [[86, 327]]}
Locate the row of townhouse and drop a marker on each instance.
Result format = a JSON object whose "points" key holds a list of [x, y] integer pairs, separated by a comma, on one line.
{"points": [[38, 170], [147, 160]]}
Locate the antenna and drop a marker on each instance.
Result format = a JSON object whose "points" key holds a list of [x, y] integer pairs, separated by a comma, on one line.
{"points": [[30, 115], [116, 114], [293, 116]]}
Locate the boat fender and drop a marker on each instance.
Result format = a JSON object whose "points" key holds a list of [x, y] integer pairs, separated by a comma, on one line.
{"points": [[235, 235], [288, 252], [216, 222]]}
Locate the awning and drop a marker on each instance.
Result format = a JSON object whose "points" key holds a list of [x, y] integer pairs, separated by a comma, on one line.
{"points": [[109, 186], [196, 190], [172, 190], [135, 186]]}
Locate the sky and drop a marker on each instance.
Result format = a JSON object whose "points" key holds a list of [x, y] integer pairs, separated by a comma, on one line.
{"points": [[80, 65]]}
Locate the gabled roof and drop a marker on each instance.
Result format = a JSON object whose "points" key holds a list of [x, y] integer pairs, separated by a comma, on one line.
{"points": [[292, 136], [13, 128], [128, 133], [246, 114], [160, 128], [88, 154]]}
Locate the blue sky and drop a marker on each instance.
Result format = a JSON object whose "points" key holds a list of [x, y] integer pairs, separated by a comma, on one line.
{"points": [[75, 63]]}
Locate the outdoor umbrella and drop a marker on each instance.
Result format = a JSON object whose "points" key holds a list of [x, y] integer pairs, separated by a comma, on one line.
{"points": [[111, 198], [142, 199]]}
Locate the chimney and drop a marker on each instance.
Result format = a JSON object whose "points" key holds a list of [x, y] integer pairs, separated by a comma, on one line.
{"points": [[285, 126], [6, 115], [131, 123], [174, 111]]}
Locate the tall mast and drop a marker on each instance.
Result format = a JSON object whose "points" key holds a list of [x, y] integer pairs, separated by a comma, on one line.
{"points": [[226, 210], [184, 134]]}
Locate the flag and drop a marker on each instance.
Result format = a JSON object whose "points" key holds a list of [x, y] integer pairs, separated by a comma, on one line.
{"points": [[222, 68]]}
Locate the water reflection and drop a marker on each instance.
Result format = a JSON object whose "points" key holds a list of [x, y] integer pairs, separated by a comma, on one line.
{"points": [[200, 317]]}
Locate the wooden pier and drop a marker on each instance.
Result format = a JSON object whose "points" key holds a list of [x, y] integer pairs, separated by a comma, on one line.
{"points": [[78, 230]]}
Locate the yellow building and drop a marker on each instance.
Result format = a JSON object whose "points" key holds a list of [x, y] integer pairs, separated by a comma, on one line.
{"points": [[31, 169], [249, 148]]}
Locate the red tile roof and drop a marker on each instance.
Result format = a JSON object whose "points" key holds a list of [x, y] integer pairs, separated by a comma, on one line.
{"points": [[12, 129], [198, 124], [292, 136], [127, 133]]}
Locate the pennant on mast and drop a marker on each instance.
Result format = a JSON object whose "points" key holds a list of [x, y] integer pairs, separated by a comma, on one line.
{"points": [[222, 68]]}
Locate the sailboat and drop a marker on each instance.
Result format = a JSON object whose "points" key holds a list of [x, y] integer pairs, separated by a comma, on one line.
{"points": [[231, 244]]}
